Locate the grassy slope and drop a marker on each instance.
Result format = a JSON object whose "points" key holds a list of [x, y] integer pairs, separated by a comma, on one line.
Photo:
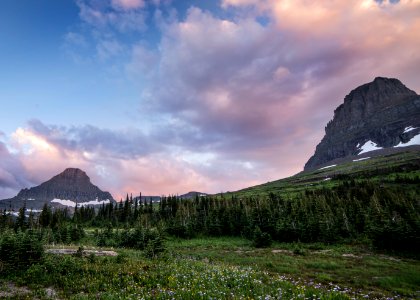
{"points": [[342, 266], [404, 163]]}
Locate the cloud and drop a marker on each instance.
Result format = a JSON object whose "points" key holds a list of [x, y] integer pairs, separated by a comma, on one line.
{"points": [[102, 15], [238, 84], [101, 33], [251, 84], [41, 151], [108, 48], [129, 143], [12, 173], [127, 4]]}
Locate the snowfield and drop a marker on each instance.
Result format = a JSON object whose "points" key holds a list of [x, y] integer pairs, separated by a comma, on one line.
{"points": [[369, 146], [415, 140], [327, 167], [409, 128], [360, 159], [71, 203]]}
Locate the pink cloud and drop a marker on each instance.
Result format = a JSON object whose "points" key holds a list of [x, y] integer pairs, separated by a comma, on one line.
{"points": [[271, 88], [42, 153], [128, 4]]}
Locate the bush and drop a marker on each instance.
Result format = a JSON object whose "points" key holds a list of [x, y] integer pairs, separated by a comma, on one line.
{"points": [[298, 249], [154, 243], [20, 250], [149, 240], [261, 239], [67, 234]]}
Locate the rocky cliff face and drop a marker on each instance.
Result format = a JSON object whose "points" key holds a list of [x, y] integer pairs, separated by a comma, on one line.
{"points": [[380, 114], [72, 185]]}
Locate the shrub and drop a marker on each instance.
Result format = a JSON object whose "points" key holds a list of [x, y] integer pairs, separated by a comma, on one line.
{"points": [[298, 249], [154, 243], [20, 250], [261, 239], [151, 241]]}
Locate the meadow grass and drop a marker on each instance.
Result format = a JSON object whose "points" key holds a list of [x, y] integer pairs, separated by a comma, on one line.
{"points": [[219, 268], [131, 276], [353, 266]]}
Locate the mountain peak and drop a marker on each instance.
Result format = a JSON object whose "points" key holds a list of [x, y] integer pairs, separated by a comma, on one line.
{"points": [[385, 79], [386, 86], [72, 186], [377, 112], [73, 173]]}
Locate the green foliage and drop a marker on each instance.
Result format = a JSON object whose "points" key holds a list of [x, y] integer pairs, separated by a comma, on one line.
{"points": [[20, 250], [261, 239], [149, 240], [79, 252], [154, 244], [67, 234], [298, 249]]}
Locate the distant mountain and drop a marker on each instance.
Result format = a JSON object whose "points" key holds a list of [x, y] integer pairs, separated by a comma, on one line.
{"points": [[382, 114], [148, 198], [68, 188], [189, 195]]}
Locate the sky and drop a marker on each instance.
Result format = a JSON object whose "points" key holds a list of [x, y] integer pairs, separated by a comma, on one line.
{"points": [[164, 97]]}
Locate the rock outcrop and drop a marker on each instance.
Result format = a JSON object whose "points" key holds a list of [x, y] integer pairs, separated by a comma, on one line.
{"points": [[376, 115]]}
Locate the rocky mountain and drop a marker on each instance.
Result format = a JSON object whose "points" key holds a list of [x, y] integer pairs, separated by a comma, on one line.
{"points": [[189, 195], [71, 187], [378, 115], [192, 195]]}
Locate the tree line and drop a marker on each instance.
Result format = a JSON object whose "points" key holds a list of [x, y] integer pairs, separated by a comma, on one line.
{"points": [[385, 216]]}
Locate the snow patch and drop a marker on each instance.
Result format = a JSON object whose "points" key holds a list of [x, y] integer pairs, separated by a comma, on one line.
{"points": [[409, 128], [415, 140], [327, 167], [369, 146], [95, 202], [64, 202], [73, 204], [364, 158]]}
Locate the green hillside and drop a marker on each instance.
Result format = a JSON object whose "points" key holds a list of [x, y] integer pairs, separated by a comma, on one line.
{"points": [[399, 169]]}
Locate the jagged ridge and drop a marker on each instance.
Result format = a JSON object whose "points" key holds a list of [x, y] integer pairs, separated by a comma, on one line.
{"points": [[378, 111]]}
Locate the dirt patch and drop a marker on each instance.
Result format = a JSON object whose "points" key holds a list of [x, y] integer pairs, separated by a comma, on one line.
{"points": [[9, 290], [84, 252], [351, 255], [389, 258], [51, 293], [281, 251]]}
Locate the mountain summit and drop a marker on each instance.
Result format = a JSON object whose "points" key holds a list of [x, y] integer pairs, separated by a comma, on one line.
{"points": [[71, 187], [377, 115]]}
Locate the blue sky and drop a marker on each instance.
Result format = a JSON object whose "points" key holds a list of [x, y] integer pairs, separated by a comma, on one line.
{"points": [[62, 75], [166, 96]]}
